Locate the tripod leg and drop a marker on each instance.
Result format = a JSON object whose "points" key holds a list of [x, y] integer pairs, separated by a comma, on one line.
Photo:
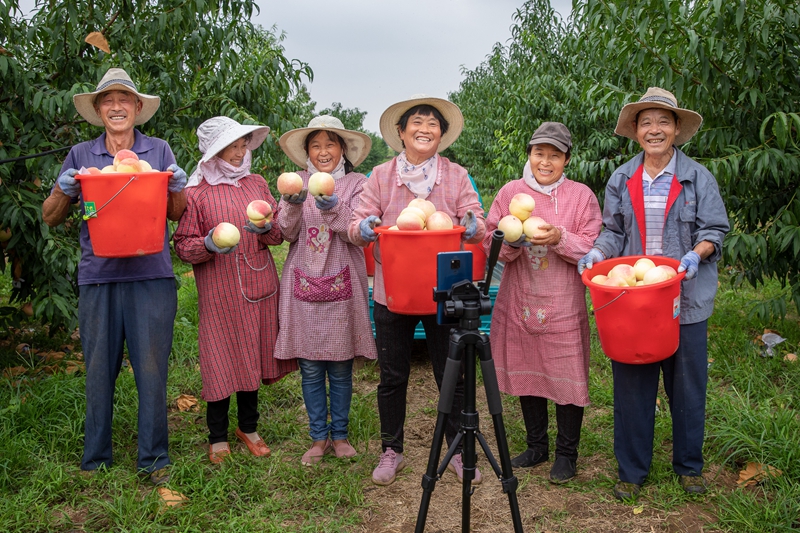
{"points": [[509, 481], [451, 373]]}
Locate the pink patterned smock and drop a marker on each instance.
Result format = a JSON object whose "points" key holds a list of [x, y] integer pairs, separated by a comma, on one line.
{"points": [[324, 308]]}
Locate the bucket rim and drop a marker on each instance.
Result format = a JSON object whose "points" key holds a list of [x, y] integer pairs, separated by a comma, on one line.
{"points": [[631, 259], [456, 229], [108, 175]]}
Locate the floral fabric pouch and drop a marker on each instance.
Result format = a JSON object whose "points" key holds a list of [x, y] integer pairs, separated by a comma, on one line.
{"points": [[323, 289]]}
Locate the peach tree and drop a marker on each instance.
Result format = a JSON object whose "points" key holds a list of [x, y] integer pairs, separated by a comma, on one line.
{"points": [[201, 58]]}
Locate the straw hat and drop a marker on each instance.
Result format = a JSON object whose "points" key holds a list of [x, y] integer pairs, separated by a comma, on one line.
{"points": [[449, 110], [115, 79], [660, 98], [215, 134], [293, 142]]}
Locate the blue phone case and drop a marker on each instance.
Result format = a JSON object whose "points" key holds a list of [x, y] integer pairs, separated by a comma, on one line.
{"points": [[451, 267]]}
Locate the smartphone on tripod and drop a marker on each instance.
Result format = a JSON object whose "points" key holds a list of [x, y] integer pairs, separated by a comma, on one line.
{"points": [[451, 267]]}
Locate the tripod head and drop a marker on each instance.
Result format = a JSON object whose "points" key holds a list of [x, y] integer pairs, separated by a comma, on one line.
{"points": [[466, 302]]}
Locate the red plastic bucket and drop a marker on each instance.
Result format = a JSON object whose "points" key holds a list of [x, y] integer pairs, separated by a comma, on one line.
{"points": [[369, 259], [408, 260], [126, 213], [636, 325]]}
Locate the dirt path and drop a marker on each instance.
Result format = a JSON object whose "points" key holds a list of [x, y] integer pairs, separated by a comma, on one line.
{"points": [[543, 507]]}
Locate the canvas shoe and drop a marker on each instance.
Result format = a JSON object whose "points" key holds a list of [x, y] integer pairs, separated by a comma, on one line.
{"points": [[693, 484], [390, 464], [563, 469], [529, 458], [626, 491], [456, 466]]}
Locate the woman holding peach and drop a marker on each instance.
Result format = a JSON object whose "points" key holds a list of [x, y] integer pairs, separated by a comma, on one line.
{"points": [[540, 328], [237, 285], [324, 308]]}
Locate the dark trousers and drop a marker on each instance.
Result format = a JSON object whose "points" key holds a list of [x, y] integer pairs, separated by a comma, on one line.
{"points": [[569, 419], [139, 314], [635, 390], [394, 338], [217, 415]]}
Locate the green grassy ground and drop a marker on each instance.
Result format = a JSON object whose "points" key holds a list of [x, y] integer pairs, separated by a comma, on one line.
{"points": [[753, 416]]}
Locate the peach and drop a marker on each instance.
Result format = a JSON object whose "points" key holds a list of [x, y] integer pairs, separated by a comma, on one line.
{"points": [[521, 206], [226, 235], [625, 272], [511, 227], [417, 211], [108, 169], [410, 221], [321, 183], [671, 272], [129, 166], [290, 183], [655, 275], [600, 279], [145, 166], [641, 266], [531, 227], [125, 154], [426, 206], [93, 170], [259, 212], [615, 281], [438, 220]]}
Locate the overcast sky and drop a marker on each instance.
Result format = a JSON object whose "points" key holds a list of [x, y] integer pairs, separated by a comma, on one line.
{"points": [[370, 54]]}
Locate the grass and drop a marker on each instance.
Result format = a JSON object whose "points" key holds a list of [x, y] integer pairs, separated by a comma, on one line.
{"points": [[753, 415]]}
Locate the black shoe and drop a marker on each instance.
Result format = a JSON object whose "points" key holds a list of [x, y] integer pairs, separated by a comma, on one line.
{"points": [[528, 458], [563, 470], [626, 491], [693, 484]]}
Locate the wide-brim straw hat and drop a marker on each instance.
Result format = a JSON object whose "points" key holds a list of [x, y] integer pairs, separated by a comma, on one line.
{"points": [[449, 110], [657, 97], [293, 142], [115, 79], [217, 133]]}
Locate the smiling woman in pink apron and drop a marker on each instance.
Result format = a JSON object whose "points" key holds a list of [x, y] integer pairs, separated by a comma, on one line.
{"points": [[324, 308], [237, 286]]}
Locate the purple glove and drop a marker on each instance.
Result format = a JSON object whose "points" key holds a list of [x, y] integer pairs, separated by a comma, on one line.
{"points": [[178, 180], [252, 228], [470, 224], [296, 199], [211, 247], [69, 184], [367, 227], [690, 263], [519, 242], [325, 202], [588, 260]]}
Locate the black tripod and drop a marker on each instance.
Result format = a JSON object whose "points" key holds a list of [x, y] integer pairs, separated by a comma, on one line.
{"points": [[464, 301]]}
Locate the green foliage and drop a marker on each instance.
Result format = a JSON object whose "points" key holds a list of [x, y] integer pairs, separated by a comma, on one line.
{"points": [[202, 58], [353, 119], [736, 63]]}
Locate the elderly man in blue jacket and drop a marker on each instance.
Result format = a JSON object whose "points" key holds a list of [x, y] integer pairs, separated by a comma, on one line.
{"points": [[662, 202]]}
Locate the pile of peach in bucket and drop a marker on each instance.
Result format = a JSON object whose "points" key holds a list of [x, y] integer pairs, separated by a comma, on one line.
{"points": [[642, 272], [125, 162]]}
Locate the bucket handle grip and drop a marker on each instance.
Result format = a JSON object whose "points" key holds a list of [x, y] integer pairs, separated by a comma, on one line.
{"points": [[94, 213], [610, 302]]}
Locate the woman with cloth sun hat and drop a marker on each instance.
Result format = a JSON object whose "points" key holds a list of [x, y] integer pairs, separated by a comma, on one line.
{"points": [[237, 286], [419, 128], [324, 307]]}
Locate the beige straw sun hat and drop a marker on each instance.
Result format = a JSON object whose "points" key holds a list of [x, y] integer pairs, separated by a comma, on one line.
{"points": [[660, 98], [293, 142], [449, 110], [115, 79]]}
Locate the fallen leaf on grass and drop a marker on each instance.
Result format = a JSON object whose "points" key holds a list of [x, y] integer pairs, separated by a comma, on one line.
{"points": [[790, 357], [171, 498], [186, 402], [74, 366], [13, 371], [23, 348], [638, 510], [76, 335], [189, 274], [755, 473]]}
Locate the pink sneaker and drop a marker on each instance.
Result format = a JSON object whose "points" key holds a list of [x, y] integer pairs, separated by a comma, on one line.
{"points": [[456, 466], [388, 467]]}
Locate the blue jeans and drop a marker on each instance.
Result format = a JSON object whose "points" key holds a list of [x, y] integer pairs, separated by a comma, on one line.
{"points": [[340, 376], [635, 390], [140, 314]]}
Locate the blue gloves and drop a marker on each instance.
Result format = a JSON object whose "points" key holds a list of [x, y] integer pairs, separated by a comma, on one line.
{"points": [[367, 228], [296, 199], [690, 263], [252, 228], [520, 242], [470, 224], [178, 180], [594, 256], [325, 202], [211, 247], [69, 184]]}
